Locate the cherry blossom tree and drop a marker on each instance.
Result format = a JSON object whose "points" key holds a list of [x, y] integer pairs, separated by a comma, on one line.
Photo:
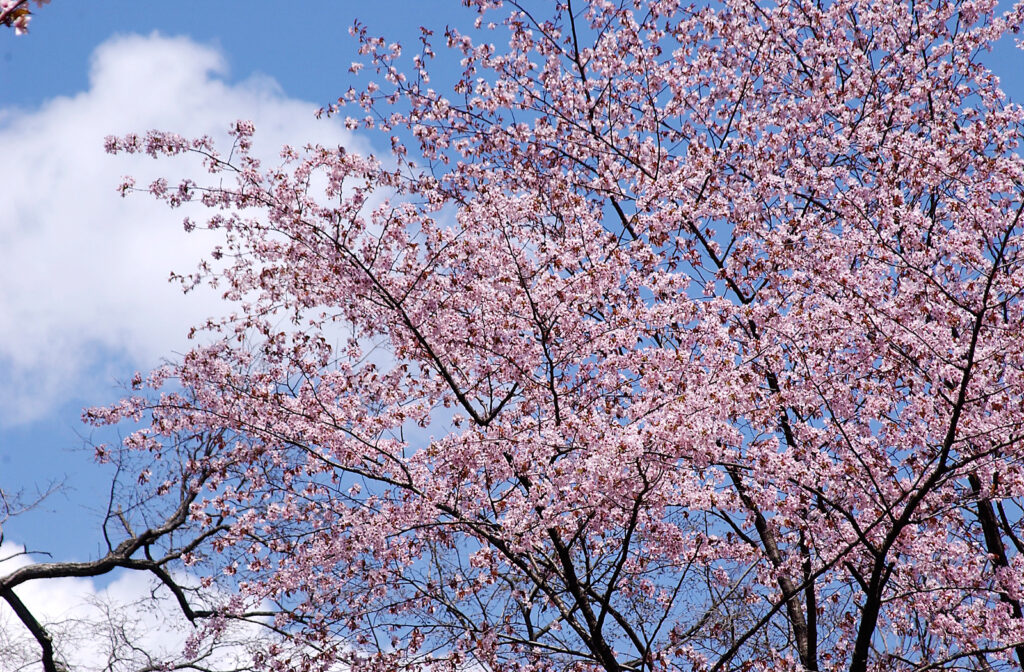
{"points": [[662, 338]]}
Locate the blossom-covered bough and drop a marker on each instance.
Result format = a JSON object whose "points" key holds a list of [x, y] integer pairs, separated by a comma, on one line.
{"points": [[665, 338], [17, 14]]}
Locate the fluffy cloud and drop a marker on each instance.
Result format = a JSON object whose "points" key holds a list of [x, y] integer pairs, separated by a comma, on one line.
{"points": [[84, 297]]}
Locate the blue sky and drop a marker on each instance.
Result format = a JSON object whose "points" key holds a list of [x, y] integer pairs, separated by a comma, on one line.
{"points": [[303, 50], [84, 300]]}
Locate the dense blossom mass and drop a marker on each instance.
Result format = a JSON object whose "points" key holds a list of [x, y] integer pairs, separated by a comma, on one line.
{"points": [[663, 338]]}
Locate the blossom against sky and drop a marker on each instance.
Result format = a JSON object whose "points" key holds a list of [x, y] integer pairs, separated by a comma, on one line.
{"points": [[84, 300], [84, 292]]}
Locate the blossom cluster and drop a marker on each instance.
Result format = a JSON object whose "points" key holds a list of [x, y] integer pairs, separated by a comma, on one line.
{"points": [[17, 14]]}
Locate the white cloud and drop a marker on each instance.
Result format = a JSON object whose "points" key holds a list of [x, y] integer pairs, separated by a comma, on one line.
{"points": [[83, 273]]}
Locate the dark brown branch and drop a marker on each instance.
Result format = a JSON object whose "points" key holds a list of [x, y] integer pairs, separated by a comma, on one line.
{"points": [[34, 626]]}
